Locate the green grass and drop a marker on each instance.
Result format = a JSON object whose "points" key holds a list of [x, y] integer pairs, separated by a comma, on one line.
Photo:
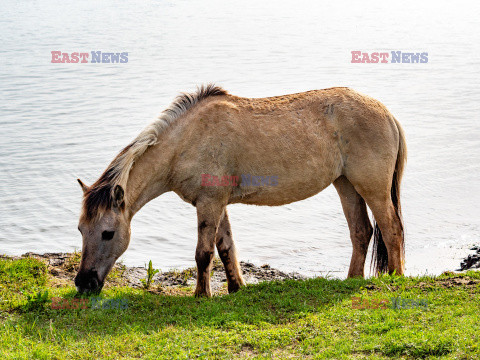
{"points": [[289, 319]]}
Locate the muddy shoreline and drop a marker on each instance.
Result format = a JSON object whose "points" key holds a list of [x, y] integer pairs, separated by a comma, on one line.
{"points": [[62, 268]]}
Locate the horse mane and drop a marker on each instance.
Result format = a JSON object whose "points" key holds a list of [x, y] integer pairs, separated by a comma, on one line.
{"points": [[99, 197]]}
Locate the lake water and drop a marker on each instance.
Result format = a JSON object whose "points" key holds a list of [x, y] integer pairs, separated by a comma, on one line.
{"points": [[63, 121]]}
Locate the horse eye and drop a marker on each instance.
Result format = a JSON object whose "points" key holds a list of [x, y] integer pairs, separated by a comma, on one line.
{"points": [[107, 235]]}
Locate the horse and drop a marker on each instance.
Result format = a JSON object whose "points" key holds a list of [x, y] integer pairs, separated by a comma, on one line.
{"points": [[306, 141]]}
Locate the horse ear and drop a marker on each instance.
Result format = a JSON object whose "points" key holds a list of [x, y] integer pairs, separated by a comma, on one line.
{"points": [[83, 186], [118, 195]]}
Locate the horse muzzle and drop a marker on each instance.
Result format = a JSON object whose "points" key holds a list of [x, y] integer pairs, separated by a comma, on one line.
{"points": [[88, 282]]}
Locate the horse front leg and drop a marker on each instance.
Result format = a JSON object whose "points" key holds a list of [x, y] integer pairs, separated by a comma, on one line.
{"points": [[226, 250], [209, 214]]}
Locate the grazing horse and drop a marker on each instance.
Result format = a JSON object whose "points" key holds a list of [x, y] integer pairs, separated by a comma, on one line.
{"points": [[305, 141]]}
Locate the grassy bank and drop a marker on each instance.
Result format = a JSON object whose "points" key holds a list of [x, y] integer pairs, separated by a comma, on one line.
{"points": [[316, 318]]}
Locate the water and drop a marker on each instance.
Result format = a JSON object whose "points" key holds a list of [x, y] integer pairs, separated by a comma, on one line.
{"points": [[63, 121]]}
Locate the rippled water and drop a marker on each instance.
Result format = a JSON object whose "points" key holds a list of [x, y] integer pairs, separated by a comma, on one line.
{"points": [[63, 121]]}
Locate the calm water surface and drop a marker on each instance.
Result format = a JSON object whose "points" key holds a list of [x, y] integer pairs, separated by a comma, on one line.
{"points": [[63, 121]]}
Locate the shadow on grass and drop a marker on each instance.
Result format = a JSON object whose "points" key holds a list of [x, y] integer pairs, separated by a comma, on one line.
{"points": [[254, 305]]}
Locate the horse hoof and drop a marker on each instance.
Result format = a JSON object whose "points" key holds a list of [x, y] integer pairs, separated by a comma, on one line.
{"points": [[202, 293], [233, 288]]}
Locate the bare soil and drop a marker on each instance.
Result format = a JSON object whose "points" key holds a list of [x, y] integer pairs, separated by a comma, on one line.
{"points": [[62, 268]]}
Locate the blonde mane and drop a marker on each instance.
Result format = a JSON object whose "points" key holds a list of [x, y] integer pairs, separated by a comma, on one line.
{"points": [[100, 195]]}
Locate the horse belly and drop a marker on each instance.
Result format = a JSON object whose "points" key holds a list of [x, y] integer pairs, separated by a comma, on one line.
{"points": [[293, 173], [276, 195]]}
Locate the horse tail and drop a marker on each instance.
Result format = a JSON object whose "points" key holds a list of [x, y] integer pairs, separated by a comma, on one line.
{"points": [[380, 255]]}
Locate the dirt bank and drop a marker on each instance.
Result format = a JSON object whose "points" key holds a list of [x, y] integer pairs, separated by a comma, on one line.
{"points": [[62, 268]]}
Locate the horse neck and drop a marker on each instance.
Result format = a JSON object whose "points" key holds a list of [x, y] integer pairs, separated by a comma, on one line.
{"points": [[148, 177]]}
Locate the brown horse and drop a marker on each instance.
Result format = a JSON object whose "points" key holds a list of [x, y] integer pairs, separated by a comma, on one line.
{"points": [[305, 141]]}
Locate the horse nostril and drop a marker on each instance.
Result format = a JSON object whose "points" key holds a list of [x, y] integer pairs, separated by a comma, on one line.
{"points": [[87, 281]]}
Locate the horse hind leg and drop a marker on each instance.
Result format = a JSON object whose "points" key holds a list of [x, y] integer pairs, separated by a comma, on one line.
{"points": [[383, 199], [226, 250], [388, 235], [361, 230]]}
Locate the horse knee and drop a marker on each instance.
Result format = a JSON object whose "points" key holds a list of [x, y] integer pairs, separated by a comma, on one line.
{"points": [[225, 247], [203, 258], [224, 253]]}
